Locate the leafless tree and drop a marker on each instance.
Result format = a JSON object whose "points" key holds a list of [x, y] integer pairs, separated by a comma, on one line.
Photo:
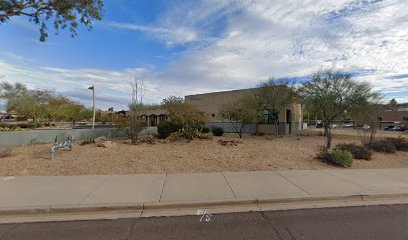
{"points": [[138, 91], [133, 124]]}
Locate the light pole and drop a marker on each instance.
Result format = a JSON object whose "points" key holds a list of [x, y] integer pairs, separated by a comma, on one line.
{"points": [[93, 104]]}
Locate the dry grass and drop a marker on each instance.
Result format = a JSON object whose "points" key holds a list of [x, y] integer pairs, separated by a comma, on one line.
{"points": [[253, 154]]}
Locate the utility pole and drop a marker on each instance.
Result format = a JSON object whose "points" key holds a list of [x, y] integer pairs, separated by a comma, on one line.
{"points": [[93, 104]]}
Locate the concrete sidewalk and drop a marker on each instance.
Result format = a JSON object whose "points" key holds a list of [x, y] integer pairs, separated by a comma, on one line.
{"points": [[161, 190]]}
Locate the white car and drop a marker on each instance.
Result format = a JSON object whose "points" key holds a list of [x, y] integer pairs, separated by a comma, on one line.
{"points": [[347, 125], [366, 127]]}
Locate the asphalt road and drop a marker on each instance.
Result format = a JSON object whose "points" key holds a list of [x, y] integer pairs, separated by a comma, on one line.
{"points": [[373, 222]]}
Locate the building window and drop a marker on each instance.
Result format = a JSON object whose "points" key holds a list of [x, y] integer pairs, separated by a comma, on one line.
{"points": [[405, 119], [270, 116], [213, 115], [379, 119]]}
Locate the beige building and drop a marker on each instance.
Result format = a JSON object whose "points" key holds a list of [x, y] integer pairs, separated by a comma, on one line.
{"points": [[290, 120]]}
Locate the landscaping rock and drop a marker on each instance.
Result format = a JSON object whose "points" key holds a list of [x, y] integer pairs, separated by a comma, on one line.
{"points": [[108, 144], [5, 152], [99, 140]]}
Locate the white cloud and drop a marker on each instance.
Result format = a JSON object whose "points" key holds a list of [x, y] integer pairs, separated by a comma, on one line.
{"points": [[112, 87], [234, 44], [169, 35], [294, 38]]}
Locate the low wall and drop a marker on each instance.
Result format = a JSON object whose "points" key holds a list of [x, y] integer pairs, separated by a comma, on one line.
{"points": [[253, 128], [18, 138], [228, 128], [268, 129]]}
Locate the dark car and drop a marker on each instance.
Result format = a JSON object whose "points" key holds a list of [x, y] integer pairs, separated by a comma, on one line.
{"points": [[395, 128], [319, 125], [388, 128]]}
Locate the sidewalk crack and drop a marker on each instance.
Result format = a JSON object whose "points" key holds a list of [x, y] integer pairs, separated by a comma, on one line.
{"points": [[95, 188], [292, 183], [229, 185], [164, 183], [346, 180]]}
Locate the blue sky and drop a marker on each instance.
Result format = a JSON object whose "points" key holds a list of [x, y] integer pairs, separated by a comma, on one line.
{"points": [[186, 47]]}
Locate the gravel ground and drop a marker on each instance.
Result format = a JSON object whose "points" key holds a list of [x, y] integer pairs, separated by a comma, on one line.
{"points": [[253, 154]]}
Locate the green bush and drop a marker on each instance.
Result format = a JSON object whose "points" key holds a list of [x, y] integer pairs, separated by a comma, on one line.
{"points": [[164, 129], [340, 157], [205, 130], [359, 152], [383, 146], [217, 131], [88, 140], [400, 143]]}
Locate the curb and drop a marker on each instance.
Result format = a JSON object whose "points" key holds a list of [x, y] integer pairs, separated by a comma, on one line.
{"points": [[164, 206]]}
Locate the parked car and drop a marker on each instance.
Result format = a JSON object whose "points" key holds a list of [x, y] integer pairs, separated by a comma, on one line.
{"points": [[395, 128], [365, 127], [333, 126], [347, 125]]}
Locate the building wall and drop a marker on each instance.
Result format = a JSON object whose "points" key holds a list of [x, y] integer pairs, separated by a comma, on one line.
{"points": [[394, 116], [211, 103]]}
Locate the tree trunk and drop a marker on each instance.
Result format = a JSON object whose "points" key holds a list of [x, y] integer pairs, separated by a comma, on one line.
{"points": [[325, 131], [373, 131], [329, 136]]}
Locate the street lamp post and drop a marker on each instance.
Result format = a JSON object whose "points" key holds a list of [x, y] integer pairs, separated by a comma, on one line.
{"points": [[93, 105]]}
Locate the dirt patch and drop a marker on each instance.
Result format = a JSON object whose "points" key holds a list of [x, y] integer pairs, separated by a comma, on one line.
{"points": [[253, 153]]}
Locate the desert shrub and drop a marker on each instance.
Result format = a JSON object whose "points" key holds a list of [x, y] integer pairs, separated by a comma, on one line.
{"points": [[131, 126], [383, 146], [6, 129], [175, 136], [323, 153], [258, 134], [5, 152], [205, 130], [201, 135], [165, 128], [150, 139], [359, 152], [5, 125], [341, 157], [400, 143], [87, 141], [217, 131], [27, 125]]}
